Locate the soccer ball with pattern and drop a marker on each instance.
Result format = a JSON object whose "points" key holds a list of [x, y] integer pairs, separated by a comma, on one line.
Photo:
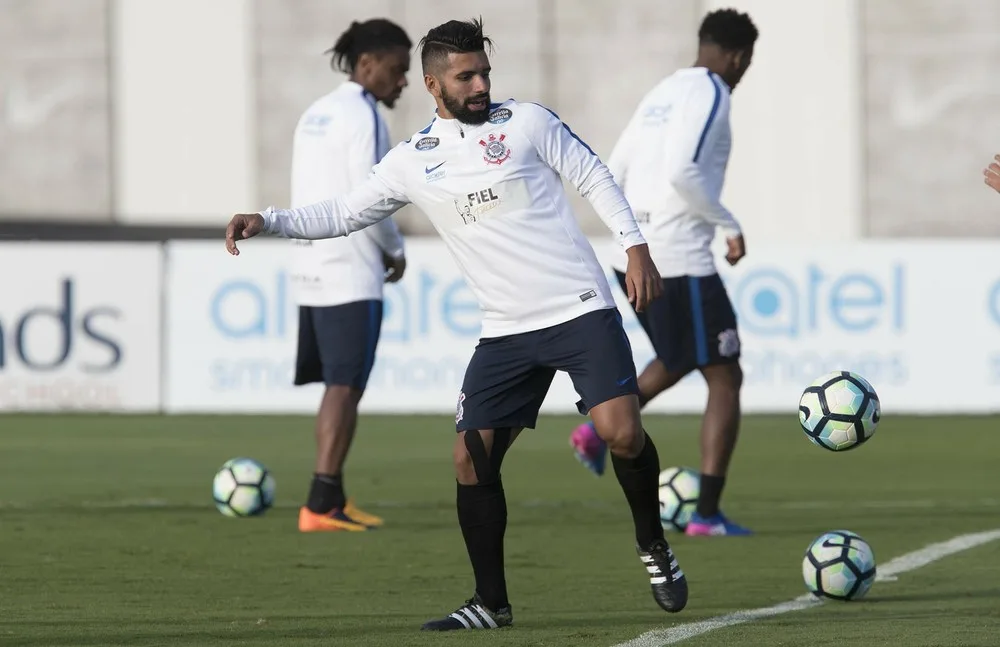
{"points": [[839, 565], [839, 411], [243, 488], [679, 488]]}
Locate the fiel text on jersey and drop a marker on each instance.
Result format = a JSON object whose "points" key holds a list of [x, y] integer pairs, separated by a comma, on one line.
{"points": [[477, 204], [495, 151]]}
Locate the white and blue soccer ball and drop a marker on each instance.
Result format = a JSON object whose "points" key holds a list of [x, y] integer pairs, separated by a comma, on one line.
{"points": [[679, 487], [839, 411], [839, 565], [243, 488]]}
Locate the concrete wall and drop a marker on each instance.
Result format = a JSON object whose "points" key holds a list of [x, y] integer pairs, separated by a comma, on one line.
{"points": [[859, 117], [55, 118], [931, 95]]}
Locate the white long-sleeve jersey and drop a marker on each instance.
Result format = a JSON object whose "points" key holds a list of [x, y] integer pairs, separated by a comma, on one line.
{"points": [[671, 162], [494, 194], [337, 141]]}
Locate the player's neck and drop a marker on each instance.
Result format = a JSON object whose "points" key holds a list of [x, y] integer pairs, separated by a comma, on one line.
{"points": [[353, 79], [708, 58]]}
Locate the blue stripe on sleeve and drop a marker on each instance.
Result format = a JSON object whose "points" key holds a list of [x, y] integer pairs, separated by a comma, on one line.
{"points": [[568, 129], [711, 116], [375, 115]]}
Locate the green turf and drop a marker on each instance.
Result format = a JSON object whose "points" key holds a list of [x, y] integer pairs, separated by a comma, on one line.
{"points": [[108, 536]]}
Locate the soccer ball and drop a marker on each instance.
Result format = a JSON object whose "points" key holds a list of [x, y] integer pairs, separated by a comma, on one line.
{"points": [[839, 565], [243, 488], [839, 411], [678, 496]]}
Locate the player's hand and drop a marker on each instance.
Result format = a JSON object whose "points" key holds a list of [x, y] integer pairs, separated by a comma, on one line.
{"points": [[642, 279], [243, 225], [394, 267], [992, 173], [737, 249]]}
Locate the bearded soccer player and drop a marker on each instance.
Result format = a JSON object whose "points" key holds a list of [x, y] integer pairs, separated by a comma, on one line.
{"points": [[488, 175], [671, 162], [338, 282]]}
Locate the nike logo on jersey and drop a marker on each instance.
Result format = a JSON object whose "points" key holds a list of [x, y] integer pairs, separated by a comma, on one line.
{"points": [[430, 169]]}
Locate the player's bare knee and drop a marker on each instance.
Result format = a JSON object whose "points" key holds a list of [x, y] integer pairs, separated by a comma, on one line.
{"points": [[724, 378], [342, 395], [624, 435]]}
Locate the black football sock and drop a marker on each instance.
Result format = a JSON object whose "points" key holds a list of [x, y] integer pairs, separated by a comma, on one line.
{"points": [[639, 478], [709, 493], [326, 493], [482, 514]]}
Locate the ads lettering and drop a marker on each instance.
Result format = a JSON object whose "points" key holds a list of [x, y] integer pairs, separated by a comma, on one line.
{"points": [[476, 205], [45, 337]]}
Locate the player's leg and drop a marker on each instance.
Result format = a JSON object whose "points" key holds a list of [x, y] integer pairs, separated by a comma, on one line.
{"points": [[595, 351], [663, 372], [502, 392], [717, 351], [336, 346]]}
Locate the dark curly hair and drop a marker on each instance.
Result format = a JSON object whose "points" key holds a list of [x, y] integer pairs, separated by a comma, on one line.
{"points": [[729, 29]]}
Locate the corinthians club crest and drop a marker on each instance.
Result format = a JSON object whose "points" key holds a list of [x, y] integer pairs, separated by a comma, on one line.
{"points": [[494, 150]]}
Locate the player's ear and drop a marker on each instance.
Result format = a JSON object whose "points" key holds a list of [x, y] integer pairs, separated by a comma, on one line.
{"points": [[433, 85]]}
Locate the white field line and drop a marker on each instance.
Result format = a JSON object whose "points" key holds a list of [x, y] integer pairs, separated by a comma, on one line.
{"points": [[886, 573]]}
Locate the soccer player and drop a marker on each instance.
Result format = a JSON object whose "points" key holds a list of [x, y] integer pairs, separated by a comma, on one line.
{"points": [[992, 174], [338, 282], [671, 161], [488, 175]]}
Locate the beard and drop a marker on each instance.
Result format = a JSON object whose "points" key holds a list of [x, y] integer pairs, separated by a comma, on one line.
{"points": [[461, 110]]}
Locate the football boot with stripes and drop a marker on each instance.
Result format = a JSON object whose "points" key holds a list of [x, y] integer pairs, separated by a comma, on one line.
{"points": [[670, 587], [472, 615]]}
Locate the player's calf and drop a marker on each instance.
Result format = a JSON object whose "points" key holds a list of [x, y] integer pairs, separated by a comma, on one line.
{"points": [[637, 467]]}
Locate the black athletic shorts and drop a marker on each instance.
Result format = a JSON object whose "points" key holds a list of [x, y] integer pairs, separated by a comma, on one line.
{"points": [[508, 377], [337, 343], [692, 324]]}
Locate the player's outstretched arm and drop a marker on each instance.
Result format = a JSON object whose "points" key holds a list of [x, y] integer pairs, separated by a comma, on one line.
{"points": [[992, 174], [368, 204]]}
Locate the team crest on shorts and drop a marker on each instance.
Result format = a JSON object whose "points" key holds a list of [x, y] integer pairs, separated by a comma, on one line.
{"points": [[494, 150], [460, 410], [729, 343]]}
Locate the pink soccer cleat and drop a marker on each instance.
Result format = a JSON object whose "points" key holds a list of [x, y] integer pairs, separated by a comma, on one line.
{"points": [[589, 448]]}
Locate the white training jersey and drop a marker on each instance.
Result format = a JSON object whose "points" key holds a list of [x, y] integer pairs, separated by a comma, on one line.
{"points": [[494, 194], [337, 141], [671, 162]]}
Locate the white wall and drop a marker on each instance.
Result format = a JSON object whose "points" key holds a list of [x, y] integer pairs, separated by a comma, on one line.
{"points": [[797, 165], [182, 85], [185, 89]]}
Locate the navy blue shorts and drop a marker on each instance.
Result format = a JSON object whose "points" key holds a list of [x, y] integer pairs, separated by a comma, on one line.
{"points": [[692, 324], [508, 377], [337, 343]]}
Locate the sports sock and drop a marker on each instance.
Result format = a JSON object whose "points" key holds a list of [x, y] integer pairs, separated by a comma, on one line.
{"points": [[482, 514], [326, 493], [639, 478], [709, 493]]}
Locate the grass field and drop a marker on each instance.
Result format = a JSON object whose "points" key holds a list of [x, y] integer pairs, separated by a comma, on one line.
{"points": [[108, 536]]}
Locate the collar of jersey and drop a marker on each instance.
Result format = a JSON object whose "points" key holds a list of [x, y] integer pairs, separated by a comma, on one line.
{"points": [[441, 126], [368, 96]]}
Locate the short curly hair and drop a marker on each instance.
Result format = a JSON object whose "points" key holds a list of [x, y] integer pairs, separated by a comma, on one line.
{"points": [[729, 29]]}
